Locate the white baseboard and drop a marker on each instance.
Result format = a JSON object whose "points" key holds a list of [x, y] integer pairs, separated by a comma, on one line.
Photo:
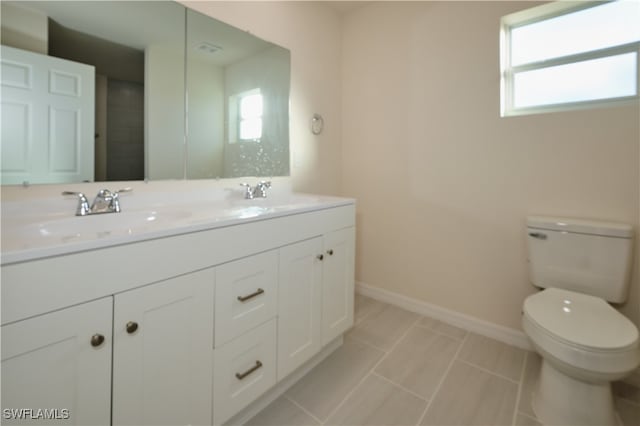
{"points": [[275, 392], [476, 325]]}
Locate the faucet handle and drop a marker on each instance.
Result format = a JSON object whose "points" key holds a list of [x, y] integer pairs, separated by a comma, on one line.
{"points": [[248, 193], [115, 201], [83, 208], [261, 188]]}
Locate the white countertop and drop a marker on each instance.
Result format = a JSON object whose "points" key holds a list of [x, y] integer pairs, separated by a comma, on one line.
{"points": [[39, 228]]}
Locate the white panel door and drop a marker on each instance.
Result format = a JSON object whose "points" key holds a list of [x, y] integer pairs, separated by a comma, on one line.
{"points": [[299, 310], [337, 283], [47, 116], [59, 361], [162, 356]]}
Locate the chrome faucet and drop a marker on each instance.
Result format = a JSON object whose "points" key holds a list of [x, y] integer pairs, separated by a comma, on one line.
{"points": [[104, 202], [258, 191]]}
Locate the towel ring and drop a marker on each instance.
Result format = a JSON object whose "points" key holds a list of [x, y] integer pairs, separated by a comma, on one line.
{"points": [[317, 124]]}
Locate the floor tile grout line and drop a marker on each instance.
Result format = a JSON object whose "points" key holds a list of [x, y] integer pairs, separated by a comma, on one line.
{"points": [[520, 385], [371, 345], [398, 385], [368, 314], [304, 410], [357, 322], [370, 372], [442, 379], [442, 333], [486, 370]]}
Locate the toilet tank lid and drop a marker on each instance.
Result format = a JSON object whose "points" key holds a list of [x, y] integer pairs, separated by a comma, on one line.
{"points": [[607, 229]]}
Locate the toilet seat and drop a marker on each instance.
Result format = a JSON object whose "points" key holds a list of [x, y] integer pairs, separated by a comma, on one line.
{"points": [[582, 321], [592, 338]]}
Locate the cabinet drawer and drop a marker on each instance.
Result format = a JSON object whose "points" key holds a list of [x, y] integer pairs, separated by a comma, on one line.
{"points": [[243, 370], [246, 295]]}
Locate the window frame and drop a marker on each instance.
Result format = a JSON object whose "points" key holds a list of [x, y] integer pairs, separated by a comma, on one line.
{"points": [[507, 71], [235, 116]]}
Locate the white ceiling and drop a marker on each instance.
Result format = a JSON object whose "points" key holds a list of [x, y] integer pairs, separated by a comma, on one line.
{"points": [[128, 23]]}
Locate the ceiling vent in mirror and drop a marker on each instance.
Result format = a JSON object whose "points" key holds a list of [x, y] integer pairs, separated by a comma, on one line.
{"points": [[206, 47]]}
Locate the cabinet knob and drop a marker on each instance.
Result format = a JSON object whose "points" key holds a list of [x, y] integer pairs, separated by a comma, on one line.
{"points": [[330, 252], [132, 327], [320, 256], [97, 340]]}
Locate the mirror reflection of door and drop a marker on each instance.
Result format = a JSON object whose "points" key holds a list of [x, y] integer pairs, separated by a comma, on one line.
{"points": [[119, 133], [47, 118]]}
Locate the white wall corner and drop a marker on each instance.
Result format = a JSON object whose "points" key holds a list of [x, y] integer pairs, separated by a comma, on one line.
{"points": [[503, 334]]}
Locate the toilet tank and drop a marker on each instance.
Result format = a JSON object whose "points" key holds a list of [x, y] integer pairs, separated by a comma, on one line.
{"points": [[585, 256]]}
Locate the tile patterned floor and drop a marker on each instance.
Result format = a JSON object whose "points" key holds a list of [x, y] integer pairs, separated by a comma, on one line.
{"points": [[399, 368]]}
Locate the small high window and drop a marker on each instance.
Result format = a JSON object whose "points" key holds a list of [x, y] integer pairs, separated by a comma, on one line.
{"points": [[569, 55]]}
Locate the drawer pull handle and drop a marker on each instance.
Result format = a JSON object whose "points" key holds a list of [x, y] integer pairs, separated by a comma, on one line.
{"points": [[538, 235], [241, 376], [258, 292], [97, 340], [330, 252]]}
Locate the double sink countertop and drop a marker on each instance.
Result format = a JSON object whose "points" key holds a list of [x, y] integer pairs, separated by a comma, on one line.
{"points": [[44, 227]]}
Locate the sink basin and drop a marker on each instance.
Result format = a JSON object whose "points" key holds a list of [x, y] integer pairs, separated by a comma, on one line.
{"points": [[240, 209], [46, 227], [90, 227], [274, 204]]}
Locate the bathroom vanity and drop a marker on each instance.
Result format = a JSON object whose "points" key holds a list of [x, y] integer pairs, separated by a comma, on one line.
{"points": [[182, 313]]}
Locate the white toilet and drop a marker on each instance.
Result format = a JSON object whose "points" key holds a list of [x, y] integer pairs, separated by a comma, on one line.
{"points": [[584, 342]]}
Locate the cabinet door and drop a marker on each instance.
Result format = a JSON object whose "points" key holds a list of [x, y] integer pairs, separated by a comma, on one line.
{"points": [[337, 283], [162, 359], [59, 361], [299, 311]]}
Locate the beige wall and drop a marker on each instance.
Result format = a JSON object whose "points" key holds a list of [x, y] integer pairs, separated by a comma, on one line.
{"points": [[23, 28], [313, 34], [443, 183], [164, 111], [205, 147]]}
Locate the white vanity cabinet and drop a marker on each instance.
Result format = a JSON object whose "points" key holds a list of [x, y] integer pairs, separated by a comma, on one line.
{"points": [[246, 295], [162, 370], [190, 328], [337, 283], [244, 369], [315, 296], [59, 361], [299, 304], [244, 358], [163, 336]]}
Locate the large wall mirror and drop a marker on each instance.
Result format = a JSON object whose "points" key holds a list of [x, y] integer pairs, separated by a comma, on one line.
{"points": [[112, 90]]}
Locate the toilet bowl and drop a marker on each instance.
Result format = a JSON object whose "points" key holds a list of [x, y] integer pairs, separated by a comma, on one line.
{"points": [[584, 342], [585, 345]]}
